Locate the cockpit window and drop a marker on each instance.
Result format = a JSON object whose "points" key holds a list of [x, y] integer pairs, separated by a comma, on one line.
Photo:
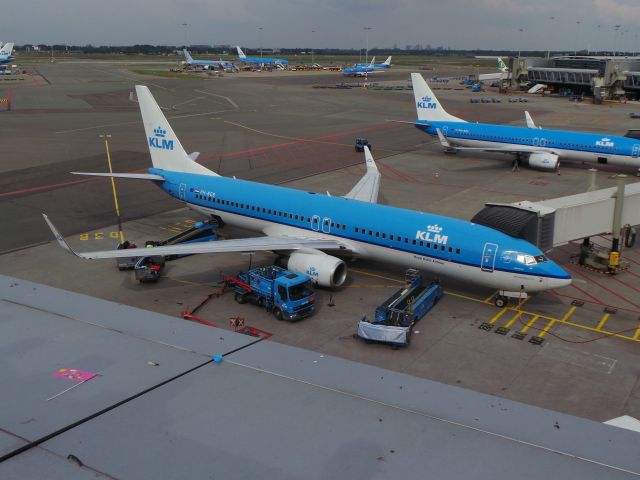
{"points": [[526, 259], [540, 258]]}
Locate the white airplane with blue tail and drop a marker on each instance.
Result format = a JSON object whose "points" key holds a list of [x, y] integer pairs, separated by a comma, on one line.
{"points": [[543, 148], [318, 230], [5, 53], [206, 64]]}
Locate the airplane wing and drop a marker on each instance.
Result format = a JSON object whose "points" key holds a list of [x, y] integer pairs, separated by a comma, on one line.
{"points": [[366, 190], [509, 148], [266, 243], [530, 122]]}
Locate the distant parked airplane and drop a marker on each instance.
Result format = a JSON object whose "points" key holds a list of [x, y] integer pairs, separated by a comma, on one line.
{"points": [[377, 66], [360, 71], [207, 64], [5, 53], [307, 225], [541, 147], [259, 60]]}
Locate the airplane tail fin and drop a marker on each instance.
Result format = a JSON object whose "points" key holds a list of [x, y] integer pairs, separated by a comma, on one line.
{"points": [[165, 148], [502, 66], [427, 105], [388, 61], [373, 61], [241, 53], [187, 55], [7, 48]]}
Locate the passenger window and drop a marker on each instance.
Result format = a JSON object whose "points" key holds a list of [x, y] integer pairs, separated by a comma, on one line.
{"points": [[390, 237], [356, 229], [343, 227], [442, 247], [384, 235], [457, 251], [413, 242], [450, 250], [421, 243]]}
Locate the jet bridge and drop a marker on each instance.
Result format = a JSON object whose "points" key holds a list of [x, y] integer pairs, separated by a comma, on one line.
{"points": [[551, 223]]}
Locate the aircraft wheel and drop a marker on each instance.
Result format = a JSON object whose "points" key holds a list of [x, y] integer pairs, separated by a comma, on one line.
{"points": [[277, 313], [240, 298], [500, 301]]}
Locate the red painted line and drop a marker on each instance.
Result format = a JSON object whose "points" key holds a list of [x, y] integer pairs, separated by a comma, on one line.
{"points": [[281, 158], [628, 310], [47, 187], [295, 162], [602, 286], [632, 273], [625, 284], [626, 257], [596, 300]]}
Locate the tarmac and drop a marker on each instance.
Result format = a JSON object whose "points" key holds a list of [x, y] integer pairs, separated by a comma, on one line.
{"points": [[276, 128]]}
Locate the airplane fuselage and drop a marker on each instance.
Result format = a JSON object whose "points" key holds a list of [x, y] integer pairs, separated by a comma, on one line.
{"points": [[568, 145], [441, 245], [266, 61]]}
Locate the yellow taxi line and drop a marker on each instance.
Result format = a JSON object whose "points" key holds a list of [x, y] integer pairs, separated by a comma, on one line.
{"points": [[636, 336], [530, 324], [547, 328], [498, 315], [603, 320], [513, 319], [568, 314]]}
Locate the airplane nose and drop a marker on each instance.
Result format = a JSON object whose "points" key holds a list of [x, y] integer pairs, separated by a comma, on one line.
{"points": [[560, 277]]}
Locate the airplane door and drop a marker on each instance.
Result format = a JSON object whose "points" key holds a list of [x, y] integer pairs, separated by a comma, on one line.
{"points": [[315, 223], [635, 151], [326, 225], [536, 141], [489, 257], [182, 191]]}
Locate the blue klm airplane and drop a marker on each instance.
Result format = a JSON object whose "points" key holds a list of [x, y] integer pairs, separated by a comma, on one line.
{"points": [[5, 53], [377, 66], [356, 71], [207, 64], [542, 148], [262, 61], [313, 228]]}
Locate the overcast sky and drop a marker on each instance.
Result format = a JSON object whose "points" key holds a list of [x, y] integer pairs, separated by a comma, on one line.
{"points": [[510, 24]]}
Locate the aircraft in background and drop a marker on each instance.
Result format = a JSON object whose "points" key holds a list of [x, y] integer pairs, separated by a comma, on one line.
{"points": [[262, 61], [360, 71], [502, 73], [377, 66], [5, 53], [312, 228], [541, 147], [207, 64]]}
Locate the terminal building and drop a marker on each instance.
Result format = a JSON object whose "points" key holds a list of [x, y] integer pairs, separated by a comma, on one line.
{"points": [[603, 77]]}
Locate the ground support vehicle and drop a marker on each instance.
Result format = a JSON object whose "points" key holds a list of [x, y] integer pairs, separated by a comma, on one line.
{"points": [[288, 295], [361, 143], [394, 319]]}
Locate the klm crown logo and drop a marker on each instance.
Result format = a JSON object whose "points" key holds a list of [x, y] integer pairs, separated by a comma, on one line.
{"points": [[605, 142], [432, 234], [159, 141], [427, 102]]}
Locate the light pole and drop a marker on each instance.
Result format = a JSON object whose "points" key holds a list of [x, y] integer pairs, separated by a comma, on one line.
{"points": [[366, 33], [113, 187], [615, 37], [575, 52], [520, 46], [312, 32], [185, 25], [549, 50], [260, 28]]}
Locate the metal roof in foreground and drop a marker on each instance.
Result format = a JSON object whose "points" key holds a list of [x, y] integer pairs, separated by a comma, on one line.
{"points": [[161, 408]]}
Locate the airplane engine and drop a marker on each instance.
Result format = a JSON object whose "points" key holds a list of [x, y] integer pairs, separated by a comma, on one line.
{"points": [[324, 270], [544, 161]]}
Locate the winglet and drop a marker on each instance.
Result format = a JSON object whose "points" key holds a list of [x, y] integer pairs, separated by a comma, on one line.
{"points": [[443, 140], [60, 239], [530, 122], [371, 164]]}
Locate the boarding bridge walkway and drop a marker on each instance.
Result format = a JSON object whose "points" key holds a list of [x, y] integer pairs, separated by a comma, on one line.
{"points": [[555, 222]]}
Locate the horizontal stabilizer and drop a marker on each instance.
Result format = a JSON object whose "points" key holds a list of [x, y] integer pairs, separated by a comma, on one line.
{"points": [[443, 140], [135, 176]]}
